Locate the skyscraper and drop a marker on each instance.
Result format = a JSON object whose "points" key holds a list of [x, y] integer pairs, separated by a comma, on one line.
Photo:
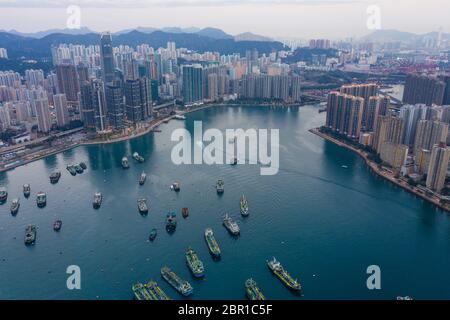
{"points": [[344, 113], [389, 129], [411, 114], [423, 89], [437, 169], [192, 83], [99, 105], [429, 133], [364, 91], [68, 81], [213, 87], [43, 115], [115, 106], [107, 57], [62, 113], [87, 105]]}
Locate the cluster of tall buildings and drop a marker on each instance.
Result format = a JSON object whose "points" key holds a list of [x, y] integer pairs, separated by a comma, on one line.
{"points": [[411, 139], [428, 90], [319, 44]]}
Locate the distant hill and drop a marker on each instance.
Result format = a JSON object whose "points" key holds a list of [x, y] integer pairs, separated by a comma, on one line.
{"points": [[41, 34], [33, 48], [214, 33], [248, 36], [400, 36]]}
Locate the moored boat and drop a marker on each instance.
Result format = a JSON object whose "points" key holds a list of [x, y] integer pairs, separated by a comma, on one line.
{"points": [[194, 263], [182, 286], [234, 161], [231, 225], [98, 198], [276, 267], [244, 206], [26, 190], [71, 170], [57, 225], [3, 195], [15, 206], [138, 157], [220, 187], [140, 292], [125, 163], [176, 186], [83, 165], [142, 206], [156, 292], [252, 290], [142, 178], [30, 234], [213, 246], [55, 176], [171, 222], [78, 169], [153, 234], [41, 199], [185, 212]]}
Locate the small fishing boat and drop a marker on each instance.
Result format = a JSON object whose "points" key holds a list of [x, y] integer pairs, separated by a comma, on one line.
{"points": [[185, 212]]}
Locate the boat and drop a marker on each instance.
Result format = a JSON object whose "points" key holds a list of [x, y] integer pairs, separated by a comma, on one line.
{"points": [[138, 157], [194, 263], [244, 206], [220, 186], [155, 291], [213, 246], [185, 212], [182, 286], [179, 117], [3, 195], [57, 225], [283, 275], [125, 163], [171, 222], [153, 235], [41, 199], [176, 186], [231, 225], [55, 176], [71, 170], [140, 292], [78, 169], [142, 206], [234, 161], [400, 298], [15, 206], [142, 178], [98, 198], [30, 234], [26, 190], [252, 290], [83, 165]]}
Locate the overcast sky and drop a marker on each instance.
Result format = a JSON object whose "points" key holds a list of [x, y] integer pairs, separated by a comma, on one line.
{"points": [[274, 18]]}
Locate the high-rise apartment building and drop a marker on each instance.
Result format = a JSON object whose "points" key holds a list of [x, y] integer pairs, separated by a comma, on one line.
{"points": [[107, 58], [61, 110], [389, 129], [115, 106], [68, 81], [43, 115], [423, 89], [192, 83], [437, 169], [429, 133]]}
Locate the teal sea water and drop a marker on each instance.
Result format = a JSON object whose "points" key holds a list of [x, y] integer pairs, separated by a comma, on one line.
{"points": [[325, 223]]}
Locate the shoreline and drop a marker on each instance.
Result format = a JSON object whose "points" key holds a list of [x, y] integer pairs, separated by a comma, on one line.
{"points": [[382, 173]]}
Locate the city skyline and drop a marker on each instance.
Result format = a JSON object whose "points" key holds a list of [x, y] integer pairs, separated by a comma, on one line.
{"points": [[282, 19]]}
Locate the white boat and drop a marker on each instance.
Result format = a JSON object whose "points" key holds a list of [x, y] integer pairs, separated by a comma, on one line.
{"points": [[179, 117]]}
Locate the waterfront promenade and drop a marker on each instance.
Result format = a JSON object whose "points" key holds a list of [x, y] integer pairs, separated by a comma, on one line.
{"points": [[374, 167]]}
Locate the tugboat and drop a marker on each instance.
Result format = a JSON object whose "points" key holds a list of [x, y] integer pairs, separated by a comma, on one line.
{"points": [[140, 292], [156, 292], [71, 170], [98, 198], [182, 286], [15, 206], [3, 195], [55, 176], [171, 222], [125, 163], [283, 275], [142, 178], [57, 225], [78, 169], [252, 290], [142, 206], [153, 235], [26, 190], [83, 165], [194, 263], [244, 206], [185, 212], [41, 199], [220, 187], [138, 157], [231, 225], [213, 246], [176, 187], [30, 235]]}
